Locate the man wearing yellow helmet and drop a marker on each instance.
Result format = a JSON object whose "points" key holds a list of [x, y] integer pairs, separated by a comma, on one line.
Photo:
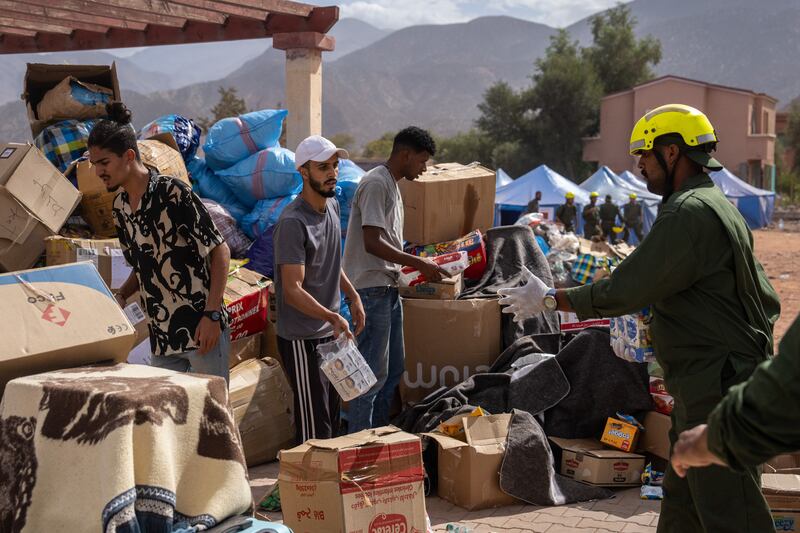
{"points": [[632, 216], [567, 213], [713, 309], [609, 212], [591, 218]]}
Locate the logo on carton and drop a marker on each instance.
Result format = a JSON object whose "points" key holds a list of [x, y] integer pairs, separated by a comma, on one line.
{"points": [[620, 466], [56, 315], [388, 523]]}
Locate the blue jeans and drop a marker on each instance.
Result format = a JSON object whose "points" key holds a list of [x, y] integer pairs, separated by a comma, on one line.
{"points": [[381, 344], [214, 362]]}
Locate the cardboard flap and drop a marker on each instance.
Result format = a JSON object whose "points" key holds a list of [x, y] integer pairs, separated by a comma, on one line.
{"points": [[446, 442], [362, 438], [490, 429], [16, 222], [780, 484]]}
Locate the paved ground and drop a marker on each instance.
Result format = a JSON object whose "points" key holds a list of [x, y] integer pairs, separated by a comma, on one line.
{"points": [[626, 512]]}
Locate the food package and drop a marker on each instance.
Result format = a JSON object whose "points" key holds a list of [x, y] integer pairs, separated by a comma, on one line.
{"points": [[631, 338], [471, 243], [346, 368], [454, 263]]}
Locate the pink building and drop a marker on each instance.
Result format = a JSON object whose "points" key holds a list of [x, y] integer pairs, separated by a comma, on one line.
{"points": [[744, 121]]}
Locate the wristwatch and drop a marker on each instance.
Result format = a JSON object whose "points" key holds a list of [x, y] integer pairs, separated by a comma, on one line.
{"points": [[550, 302], [216, 316]]}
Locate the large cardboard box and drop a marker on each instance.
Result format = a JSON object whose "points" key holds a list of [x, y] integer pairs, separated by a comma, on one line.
{"points": [[263, 404], [97, 204], [469, 471], [245, 349], [59, 317], [655, 437], [588, 461], [367, 482], [246, 296], [40, 78], [782, 492], [105, 254], [35, 201], [447, 341], [447, 202], [447, 289]]}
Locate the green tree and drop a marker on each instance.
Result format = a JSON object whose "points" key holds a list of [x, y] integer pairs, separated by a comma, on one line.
{"points": [[619, 58], [502, 113], [787, 178], [792, 138], [344, 140], [465, 148], [565, 97], [379, 148], [229, 105]]}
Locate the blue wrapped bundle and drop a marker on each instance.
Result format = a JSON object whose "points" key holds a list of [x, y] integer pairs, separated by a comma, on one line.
{"points": [[184, 130], [233, 139], [265, 215], [268, 174], [65, 141], [207, 185]]}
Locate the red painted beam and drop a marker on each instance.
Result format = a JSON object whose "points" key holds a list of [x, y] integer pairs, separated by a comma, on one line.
{"points": [[285, 7], [17, 31], [15, 22], [81, 7], [308, 39], [321, 20], [224, 8], [68, 19], [165, 8]]}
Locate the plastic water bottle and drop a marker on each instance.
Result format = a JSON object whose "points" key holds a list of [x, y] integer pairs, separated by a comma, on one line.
{"points": [[780, 225]]}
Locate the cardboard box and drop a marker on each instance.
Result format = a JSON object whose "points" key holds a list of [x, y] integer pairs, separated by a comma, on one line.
{"points": [[447, 289], [262, 402], [655, 437], [40, 78], [97, 204], [59, 317], [36, 202], [588, 461], [371, 481], [787, 463], [105, 254], [782, 492], [469, 471], [246, 298], [447, 202], [161, 152], [571, 323], [446, 341], [245, 349], [620, 434]]}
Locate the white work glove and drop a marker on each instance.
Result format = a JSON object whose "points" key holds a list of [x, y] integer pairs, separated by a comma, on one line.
{"points": [[527, 301]]}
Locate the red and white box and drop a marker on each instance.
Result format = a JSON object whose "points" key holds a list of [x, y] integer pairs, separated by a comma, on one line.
{"points": [[246, 298]]}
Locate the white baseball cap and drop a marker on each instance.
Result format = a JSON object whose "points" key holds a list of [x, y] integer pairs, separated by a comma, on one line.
{"points": [[316, 148]]}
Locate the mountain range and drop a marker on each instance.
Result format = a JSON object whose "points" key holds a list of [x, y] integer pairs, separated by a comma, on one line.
{"points": [[435, 75]]}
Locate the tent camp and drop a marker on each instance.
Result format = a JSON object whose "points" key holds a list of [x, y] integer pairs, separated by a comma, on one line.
{"points": [[604, 182], [502, 179], [511, 200], [631, 179], [755, 205]]}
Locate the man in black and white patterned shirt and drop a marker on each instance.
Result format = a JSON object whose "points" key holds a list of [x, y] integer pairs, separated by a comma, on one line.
{"points": [[179, 258]]}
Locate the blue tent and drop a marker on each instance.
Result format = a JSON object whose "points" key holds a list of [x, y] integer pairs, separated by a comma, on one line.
{"points": [[631, 179], [755, 205], [502, 179], [512, 199], [604, 182]]}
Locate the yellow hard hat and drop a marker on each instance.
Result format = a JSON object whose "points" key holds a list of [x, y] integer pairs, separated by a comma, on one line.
{"points": [[569, 195], [632, 196], [690, 124], [594, 194], [616, 229]]}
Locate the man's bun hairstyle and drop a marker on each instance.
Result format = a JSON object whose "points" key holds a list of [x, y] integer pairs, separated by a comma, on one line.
{"points": [[115, 133]]}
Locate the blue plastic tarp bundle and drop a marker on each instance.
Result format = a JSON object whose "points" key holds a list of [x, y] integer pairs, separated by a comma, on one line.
{"points": [[84, 95], [65, 141], [267, 174], [207, 185], [349, 178], [233, 139], [264, 215], [184, 130], [261, 254]]}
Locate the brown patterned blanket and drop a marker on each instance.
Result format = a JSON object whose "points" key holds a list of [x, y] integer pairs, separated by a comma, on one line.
{"points": [[121, 448]]}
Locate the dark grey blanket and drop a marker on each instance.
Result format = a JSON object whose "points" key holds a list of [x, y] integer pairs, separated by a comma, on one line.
{"points": [[601, 384], [508, 249]]}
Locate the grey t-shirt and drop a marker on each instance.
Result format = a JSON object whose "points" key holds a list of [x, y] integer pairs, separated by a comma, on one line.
{"points": [[378, 203], [304, 236]]}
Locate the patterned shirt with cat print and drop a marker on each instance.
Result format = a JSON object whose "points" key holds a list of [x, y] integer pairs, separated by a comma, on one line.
{"points": [[167, 240]]}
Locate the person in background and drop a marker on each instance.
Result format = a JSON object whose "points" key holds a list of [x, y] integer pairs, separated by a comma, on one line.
{"points": [[533, 205], [632, 216], [373, 256], [591, 218], [713, 309], [179, 258], [308, 280], [609, 213], [567, 213]]}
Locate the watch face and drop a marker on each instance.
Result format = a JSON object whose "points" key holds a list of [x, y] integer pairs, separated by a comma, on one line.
{"points": [[214, 315], [550, 303]]}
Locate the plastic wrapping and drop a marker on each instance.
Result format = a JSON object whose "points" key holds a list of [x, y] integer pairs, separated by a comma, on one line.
{"points": [[345, 368]]}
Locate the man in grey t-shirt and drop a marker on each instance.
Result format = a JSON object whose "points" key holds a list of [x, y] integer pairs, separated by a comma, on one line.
{"points": [[308, 277], [373, 256]]}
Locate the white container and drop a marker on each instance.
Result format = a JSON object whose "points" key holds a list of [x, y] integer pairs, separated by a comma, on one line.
{"points": [[345, 368]]}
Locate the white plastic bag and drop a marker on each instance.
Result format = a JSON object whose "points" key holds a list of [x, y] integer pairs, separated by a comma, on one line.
{"points": [[345, 368]]}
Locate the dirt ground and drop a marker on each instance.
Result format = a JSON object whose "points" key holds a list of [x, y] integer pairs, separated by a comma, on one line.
{"points": [[778, 252]]}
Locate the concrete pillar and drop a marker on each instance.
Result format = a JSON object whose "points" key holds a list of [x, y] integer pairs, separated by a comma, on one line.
{"points": [[303, 82]]}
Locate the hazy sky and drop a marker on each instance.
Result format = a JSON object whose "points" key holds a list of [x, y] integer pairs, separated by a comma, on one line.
{"points": [[393, 14]]}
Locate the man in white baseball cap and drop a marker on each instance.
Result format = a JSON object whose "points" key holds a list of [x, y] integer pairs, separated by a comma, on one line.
{"points": [[308, 277]]}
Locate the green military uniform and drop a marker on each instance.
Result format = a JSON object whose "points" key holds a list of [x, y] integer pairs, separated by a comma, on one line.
{"points": [[760, 419], [591, 221], [567, 214], [608, 219], [632, 216], [713, 313]]}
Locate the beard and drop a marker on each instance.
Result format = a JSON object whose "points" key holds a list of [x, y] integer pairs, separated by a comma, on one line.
{"points": [[319, 189]]}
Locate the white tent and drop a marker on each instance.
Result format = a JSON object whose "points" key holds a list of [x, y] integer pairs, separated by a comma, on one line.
{"points": [[501, 178]]}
